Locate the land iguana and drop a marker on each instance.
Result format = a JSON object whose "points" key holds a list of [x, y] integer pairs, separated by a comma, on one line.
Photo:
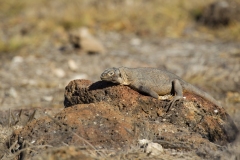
{"points": [[154, 82]]}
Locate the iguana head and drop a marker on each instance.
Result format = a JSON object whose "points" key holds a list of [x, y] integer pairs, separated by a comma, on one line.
{"points": [[115, 75]]}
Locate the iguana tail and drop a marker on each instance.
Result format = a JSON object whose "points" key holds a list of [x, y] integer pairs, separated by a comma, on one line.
{"points": [[190, 88]]}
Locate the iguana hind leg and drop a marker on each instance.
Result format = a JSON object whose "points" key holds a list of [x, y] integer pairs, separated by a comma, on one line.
{"points": [[149, 91], [178, 91]]}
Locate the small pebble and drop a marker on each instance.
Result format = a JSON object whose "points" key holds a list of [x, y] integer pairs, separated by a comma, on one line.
{"points": [[47, 98], [17, 59], [13, 93], [59, 73], [72, 65], [135, 41]]}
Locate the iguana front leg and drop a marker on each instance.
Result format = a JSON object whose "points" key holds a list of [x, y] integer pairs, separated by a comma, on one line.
{"points": [[178, 90]]}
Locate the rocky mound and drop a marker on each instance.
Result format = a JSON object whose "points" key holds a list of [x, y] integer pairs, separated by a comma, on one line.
{"points": [[194, 114], [103, 115]]}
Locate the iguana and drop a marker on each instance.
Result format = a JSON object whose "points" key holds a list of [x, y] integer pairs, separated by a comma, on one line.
{"points": [[154, 82]]}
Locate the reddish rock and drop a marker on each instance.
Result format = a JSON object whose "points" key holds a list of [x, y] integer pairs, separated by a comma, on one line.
{"points": [[107, 116], [195, 113]]}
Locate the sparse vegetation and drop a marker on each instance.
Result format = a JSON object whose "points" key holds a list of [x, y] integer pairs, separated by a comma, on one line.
{"points": [[37, 20], [33, 48]]}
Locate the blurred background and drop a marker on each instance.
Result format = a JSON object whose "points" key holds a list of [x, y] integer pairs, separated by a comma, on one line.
{"points": [[46, 44]]}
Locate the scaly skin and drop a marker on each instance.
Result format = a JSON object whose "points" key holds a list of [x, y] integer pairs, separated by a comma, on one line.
{"points": [[154, 82]]}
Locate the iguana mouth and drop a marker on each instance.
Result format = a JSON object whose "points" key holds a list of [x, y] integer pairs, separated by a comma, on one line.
{"points": [[110, 79], [105, 79]]}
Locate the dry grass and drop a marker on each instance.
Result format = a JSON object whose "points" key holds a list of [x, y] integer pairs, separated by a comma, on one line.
{"points": [[28, 22]]}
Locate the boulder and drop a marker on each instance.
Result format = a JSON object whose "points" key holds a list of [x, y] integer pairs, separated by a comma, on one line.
{"points": [[83, 40], [220, 13], [194, 113], [104, 115]]}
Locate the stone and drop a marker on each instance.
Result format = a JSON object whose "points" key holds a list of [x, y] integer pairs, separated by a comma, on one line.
{"points": [[195, 113], [83, 40], [220, 13], [72, 65], [60, 73], [107, 116], [152, 149]]}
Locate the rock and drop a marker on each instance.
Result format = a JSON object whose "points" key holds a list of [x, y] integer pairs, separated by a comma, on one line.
{"points": [[135, 41], [13, 93], [72, 65], [17, 59], [47, 98], [60, 73], [194, 113], [106, 116], [220, 13], [82, 39], [152, 149]]}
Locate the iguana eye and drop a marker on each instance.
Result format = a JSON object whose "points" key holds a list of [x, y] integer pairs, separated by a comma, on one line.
{"points": [[111, 73]]}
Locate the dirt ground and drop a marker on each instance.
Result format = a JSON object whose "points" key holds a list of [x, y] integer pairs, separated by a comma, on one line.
{"points": [[35, 76]]}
